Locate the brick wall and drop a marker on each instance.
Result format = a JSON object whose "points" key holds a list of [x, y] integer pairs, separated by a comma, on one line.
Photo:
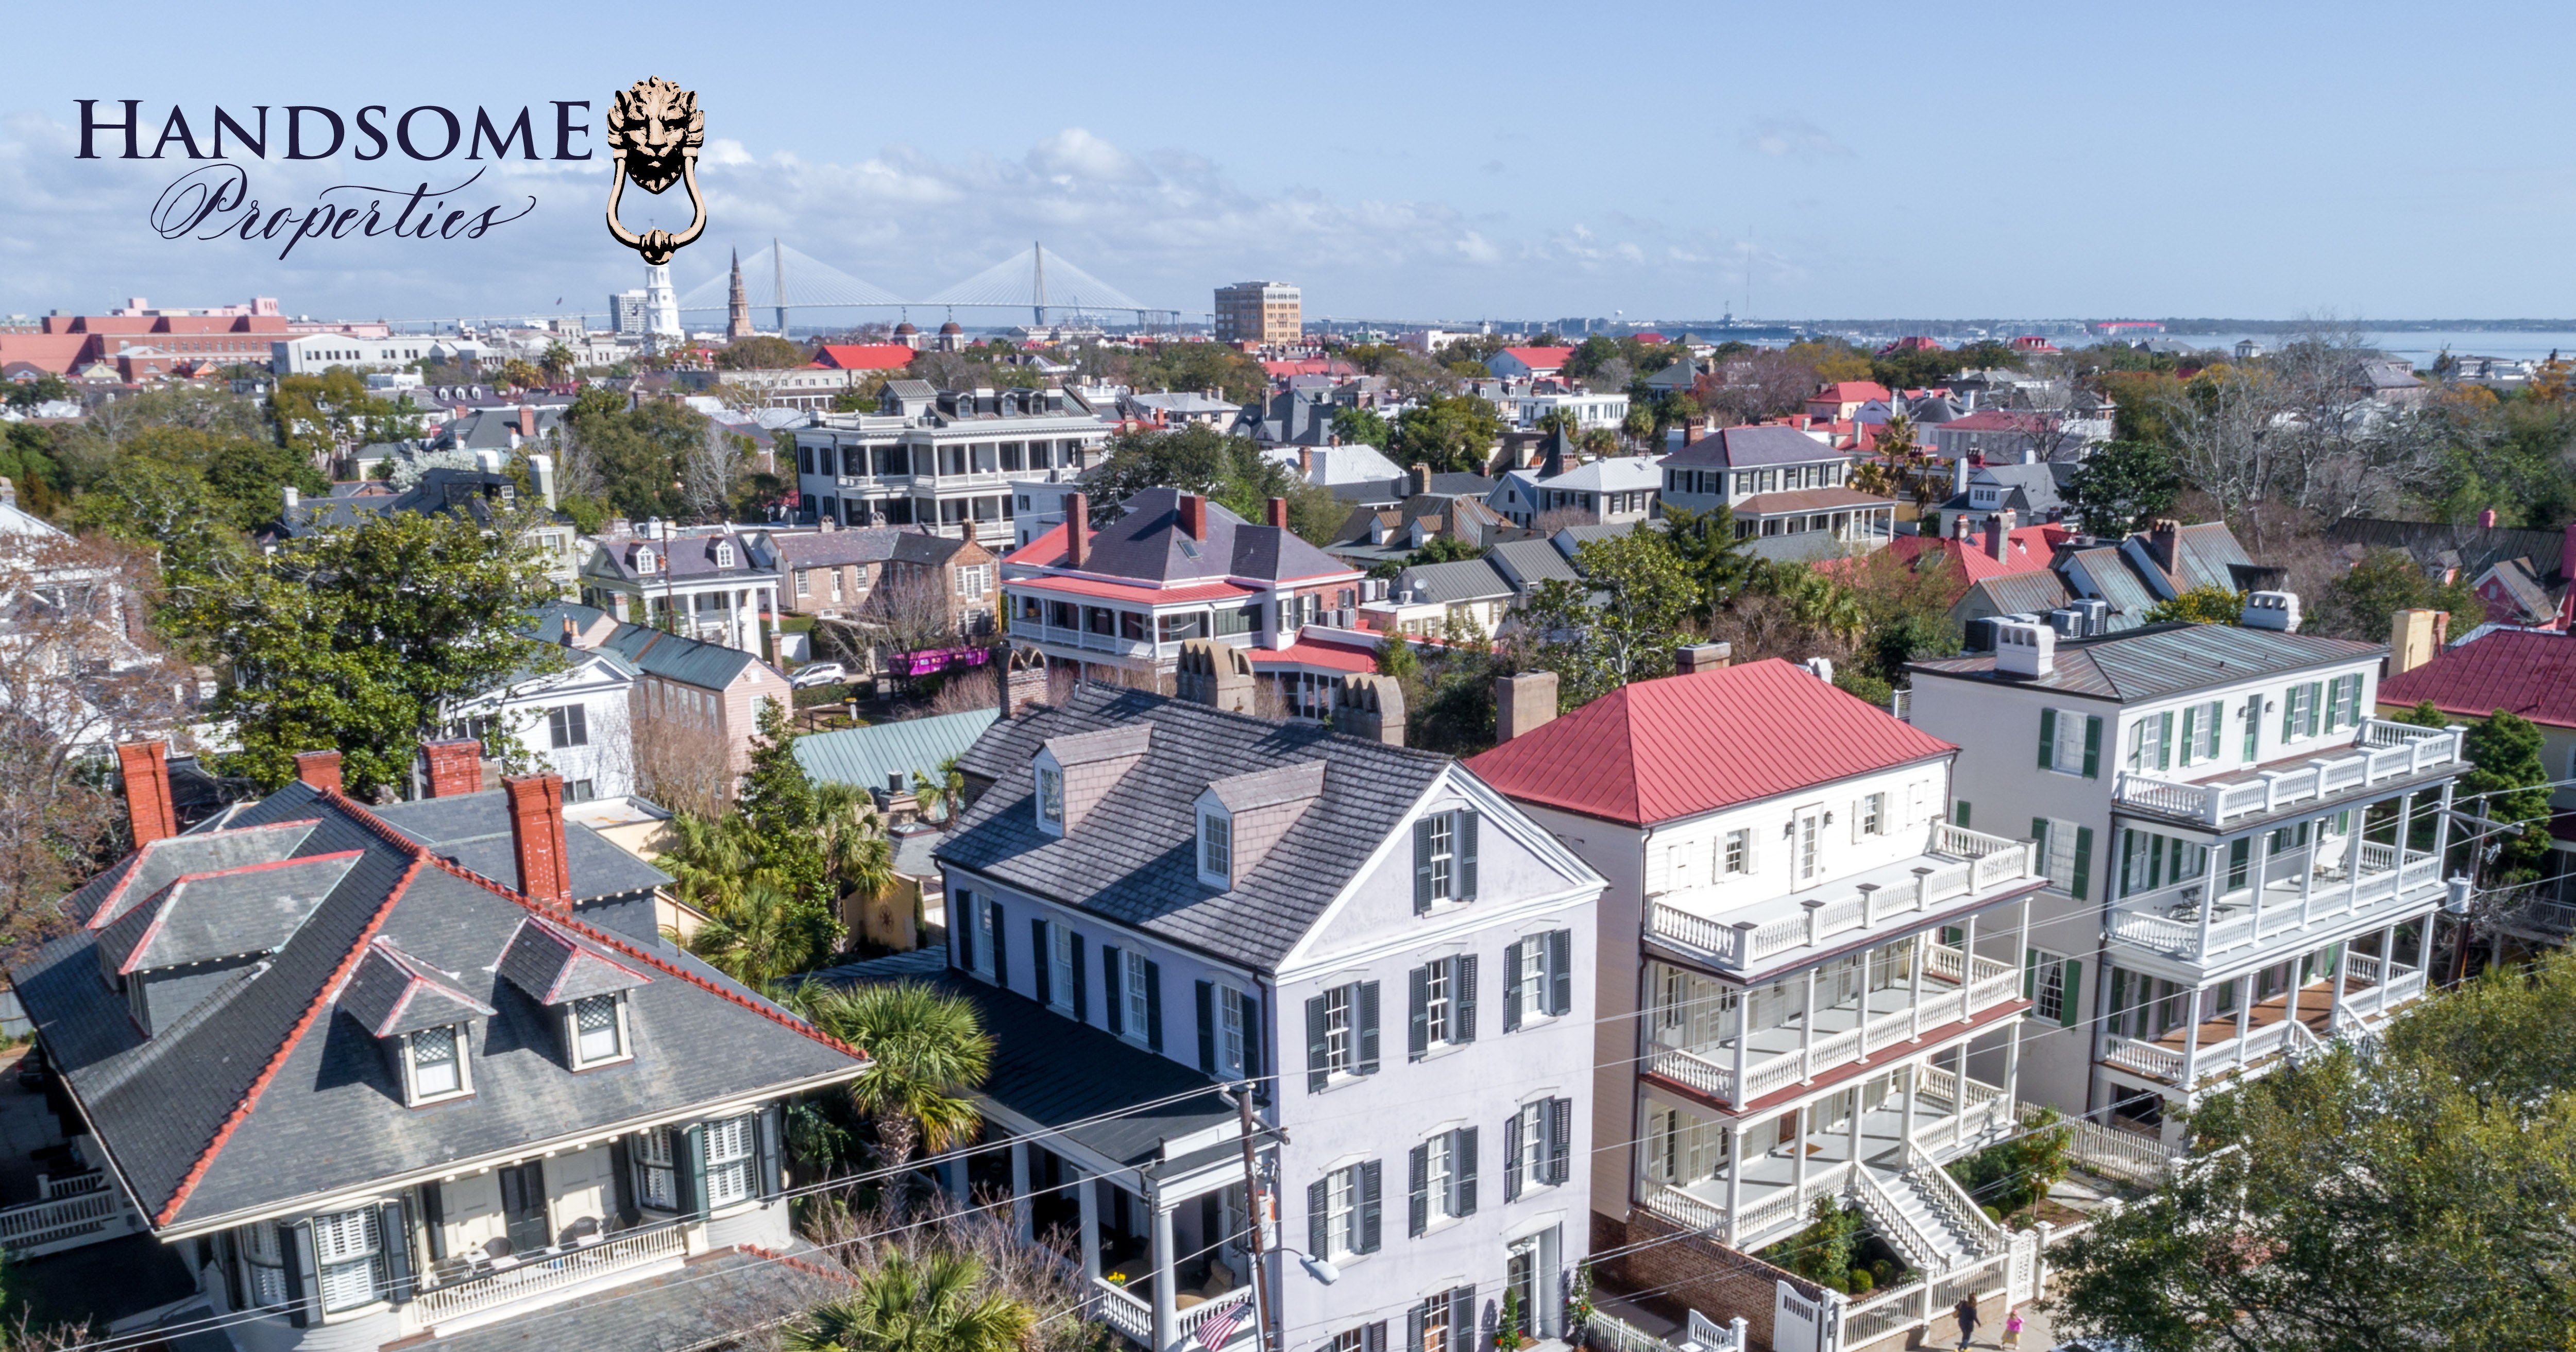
{"points": [[1695, 1272]]}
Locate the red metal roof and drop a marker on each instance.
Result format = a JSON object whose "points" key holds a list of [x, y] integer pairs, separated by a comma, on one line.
{"points": [[1661, 750], [1849, 392], [863, 356], [1130, 592], [2532, 676], [1541, 358], [1045, 551], [1329, 656]]}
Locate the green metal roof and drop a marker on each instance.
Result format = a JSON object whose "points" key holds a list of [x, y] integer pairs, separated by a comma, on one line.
{"points": [[866, 756]]}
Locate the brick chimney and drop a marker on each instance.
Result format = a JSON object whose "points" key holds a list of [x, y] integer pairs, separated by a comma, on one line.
{"points": [[527, 422], [321, 769], [147, 791], [455, 767], [1279, 513], [1077, 529], [1421, 478], [1194, 516], [2164, 540], [1999, 529], [537, 832], [1692, 658], [1306, 462], [1523, 703], [2410, 639]]}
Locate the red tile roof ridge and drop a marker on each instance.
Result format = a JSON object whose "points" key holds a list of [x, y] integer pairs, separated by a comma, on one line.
{"points": [[791, 1260], [322, 999]]}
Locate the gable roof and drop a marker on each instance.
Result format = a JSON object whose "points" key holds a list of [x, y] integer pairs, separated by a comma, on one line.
{"points": [[2530, 675], [1618, 474], [1527, 563], [1133, 859], [1849, 392], [862, 545], [256, 1097], [2473, 548], [552, 965], [1751, 445], [393, 992], [866, 756], [1464, 580], [863, 356], [2021, 593], [1541, 358], [1147, 544], [2158, 660], [1661, 750]]}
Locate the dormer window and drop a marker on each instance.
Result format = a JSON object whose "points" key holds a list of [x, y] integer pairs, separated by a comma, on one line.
{"points": [[724, 556], [437, 1062], [1051, 796], [1216, 845], [598, 1030], [643, 561]]}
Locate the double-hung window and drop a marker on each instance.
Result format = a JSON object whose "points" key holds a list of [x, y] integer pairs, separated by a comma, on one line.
{"points": [[987, 929], [1537, 1146], [1443, 1004], [596, 1035], [1341, 1034], [1872, 820], [1061, 966], [1342, 1210], [2201, 724], [1232, 1030], [346, 1248], [2151, 742], [568, 725], [1737, 856], [2070, 742], [2343, 703], [1216, 845], [2299, 715], [265, 1258], [1444, 858], [1538, 978], [731, 1147], [2065, 853], [1137, 988], [1443, 1177], [657, 1174], [1051, 795], [437, 1063]]}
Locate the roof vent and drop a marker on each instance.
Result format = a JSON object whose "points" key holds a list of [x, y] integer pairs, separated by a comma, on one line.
{"points": [[2271, 610], [1822, 668], [2023, 648]]}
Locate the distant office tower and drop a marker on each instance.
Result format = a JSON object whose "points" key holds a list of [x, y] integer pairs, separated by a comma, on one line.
{"points": [[661, 304], [626, 311], [1258, 312]]}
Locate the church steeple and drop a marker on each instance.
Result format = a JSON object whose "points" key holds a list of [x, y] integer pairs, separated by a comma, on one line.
{"points": [[738, 304]]}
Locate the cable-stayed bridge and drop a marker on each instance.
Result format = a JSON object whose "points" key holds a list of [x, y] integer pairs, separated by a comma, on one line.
{"points": [[1046, 286]]}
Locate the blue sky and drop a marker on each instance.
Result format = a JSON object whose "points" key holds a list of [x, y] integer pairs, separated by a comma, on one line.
{"points": [[1451, 161]]}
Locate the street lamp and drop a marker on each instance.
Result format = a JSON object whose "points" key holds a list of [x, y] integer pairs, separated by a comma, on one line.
{"points": [[1321, 1269]]}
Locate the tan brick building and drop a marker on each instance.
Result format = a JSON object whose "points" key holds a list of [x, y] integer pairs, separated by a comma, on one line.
{"points": [[1259, 312]]}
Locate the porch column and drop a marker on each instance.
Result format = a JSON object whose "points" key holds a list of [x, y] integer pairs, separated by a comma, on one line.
{"points": [[2290, 1002], [774, 635], [1742, 1001], [2308, 872], [1807, 1034], [2405, 826], [1798, 1157], [1860, 1022], [1959, 1096], [2334, 997], [1914, 984], [2441, 840], [2352, 858], [1086, 1195], [2012, 1065], [2191, 1035], [1967, 960], [1021, 1224], [1859, 1101], [1734, 1176], [1913, 1072], [2262, 861], [1165, 1312], [2244, 1014], [2387, 966]]}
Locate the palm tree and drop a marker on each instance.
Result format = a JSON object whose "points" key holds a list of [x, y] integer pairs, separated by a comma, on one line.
{"points": [[556, 361], [925, 1050], [932, 1304], [947, 793], [757, 936], [857, 857]]}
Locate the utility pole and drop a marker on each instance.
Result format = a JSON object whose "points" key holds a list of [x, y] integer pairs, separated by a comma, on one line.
{"points": [[1253, 1213]]}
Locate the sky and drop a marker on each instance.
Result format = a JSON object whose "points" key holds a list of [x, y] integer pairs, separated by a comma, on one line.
{"points": [[1422, 162]]}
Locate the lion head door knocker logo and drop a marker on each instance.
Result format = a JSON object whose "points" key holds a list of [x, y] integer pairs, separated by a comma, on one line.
{"points": [[655, 129]]}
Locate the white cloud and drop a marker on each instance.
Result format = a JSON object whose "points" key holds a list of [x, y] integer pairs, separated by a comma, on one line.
{"points": [[1792, 136], [1074, 155]]}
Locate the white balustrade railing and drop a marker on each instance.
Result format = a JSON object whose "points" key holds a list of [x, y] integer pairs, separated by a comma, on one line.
{"points": [[1953, 1202], [2112, 1151], [1978, 863], [539, 1276], [2144, 1057], [1124, 1312], [1919, 1250], [1700, 1073], [1723, 943], [1185, 1325], [1684, 1210], [81, 1209], [2379, 751]]}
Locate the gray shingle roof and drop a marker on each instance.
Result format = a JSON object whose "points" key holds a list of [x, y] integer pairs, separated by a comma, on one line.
{"points": [[473, 831], [208, 916], [1131, 859], [1527, 563], [258, 1094], [1148, 544], [1739, 447], [551, 965], [1465, 580], [2164, 659], [860, 545], [393, 992]]}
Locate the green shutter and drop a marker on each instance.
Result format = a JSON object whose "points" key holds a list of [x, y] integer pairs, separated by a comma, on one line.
{"points": [[2190, 732], [2092, 746], [2048, 739], [2083, 861], [2289, 713], [2066, 1014], [2164, 741], [2039, 844], [1959, 813], [2030, 973]]}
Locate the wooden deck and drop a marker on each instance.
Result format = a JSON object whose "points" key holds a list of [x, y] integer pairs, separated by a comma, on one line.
{"points": [[2316, 1010]]}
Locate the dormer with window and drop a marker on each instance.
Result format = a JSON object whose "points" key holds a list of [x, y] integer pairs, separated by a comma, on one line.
{"points": [[724, 554], [422, 1020], [643, 561], [1242, 817], [581, 985], [1070, 775]]}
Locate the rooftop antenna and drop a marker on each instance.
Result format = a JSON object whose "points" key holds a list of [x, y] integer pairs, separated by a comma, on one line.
{"points": [[778, 257], [1037, 250]]}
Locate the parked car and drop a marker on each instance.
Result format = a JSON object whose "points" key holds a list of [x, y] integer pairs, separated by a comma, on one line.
{"points": [[820, 673], [31, 1069]]}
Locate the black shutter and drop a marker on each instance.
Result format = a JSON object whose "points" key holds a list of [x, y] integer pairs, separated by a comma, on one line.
{"points": [[1462, 1318], [1560, 971], [1255, 1028], [1368, 1028], [692, 1171], [1463, 982], [1467, 854], [1512, 1157], [1318, 1242], [1462, 1169], [1081, 983], [961, 929], [1375, 1339], [2048, 739], [1421, 885], [1207, 1027], [1560, 1138], [1417, 1035], [1001, 947], [1318, 1072], [1413, 1329], [1512, 987], [764, 1152], [393, 1220], [1154, 1005], [1112, 1009], [291, 1248], [1372, 1206], [1418, 1188], [1039, 954], [621, 1167]]}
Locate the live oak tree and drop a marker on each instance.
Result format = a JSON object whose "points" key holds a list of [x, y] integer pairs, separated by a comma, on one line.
{"points": [[1451, 433], [2122, 487], [2413, 1199], [1618, 625], [358, 638]]}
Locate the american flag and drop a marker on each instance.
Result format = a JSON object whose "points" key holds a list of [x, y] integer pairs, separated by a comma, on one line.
{"points": [[1216, 1328]]}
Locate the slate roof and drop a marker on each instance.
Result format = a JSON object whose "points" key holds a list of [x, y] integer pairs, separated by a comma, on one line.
{"points": [[689, 661], [2531, 675], [866, 756], [1620, 474], [394, 992], [1466, 580], [469, 493], [261, 1093], [2158, 660], [1063, 1073], [1448, 484], [705, 1304], [472, 830], [1146, 544], [1131, 859], [206, 916], [2477, 548], [682, 558], [1661, 750], [1751, 446], [861, 545]]}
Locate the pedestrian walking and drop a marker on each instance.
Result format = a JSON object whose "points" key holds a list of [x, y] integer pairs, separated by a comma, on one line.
{"points": [[2012, 1330], [1967, 1313]]}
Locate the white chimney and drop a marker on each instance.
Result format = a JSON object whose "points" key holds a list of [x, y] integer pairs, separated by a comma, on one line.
{"points": [[292, 497], [541, 468], [2271, 610], [1822, 668], [2024, 649]]}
